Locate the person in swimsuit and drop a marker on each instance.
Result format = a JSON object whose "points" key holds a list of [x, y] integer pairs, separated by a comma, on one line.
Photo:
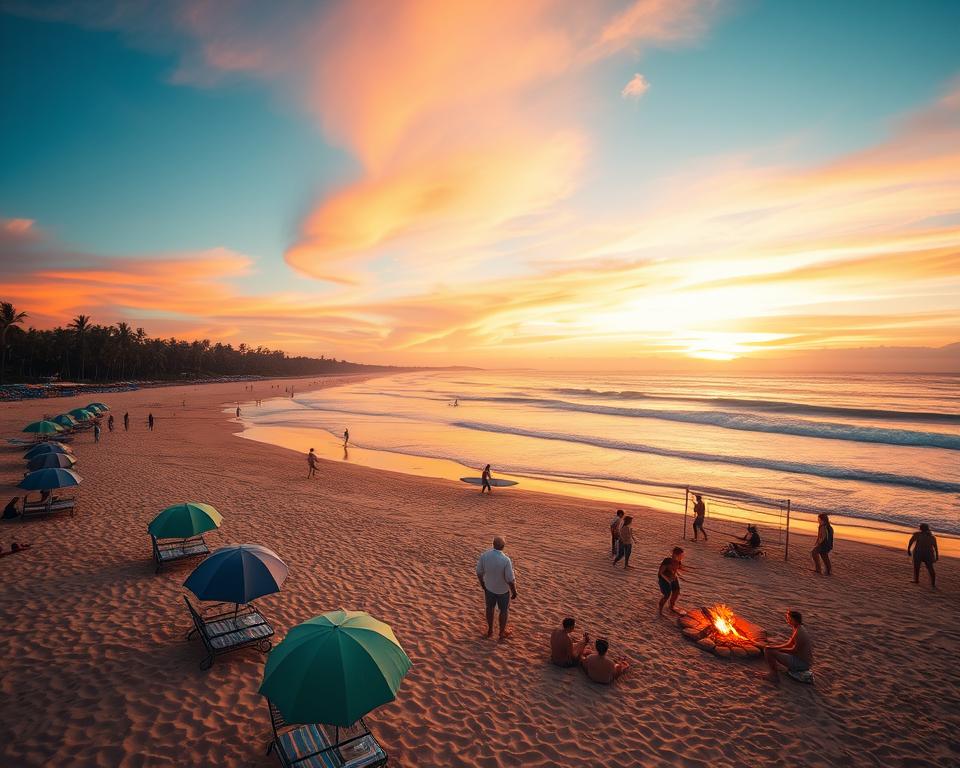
{"points": [[823, 546], [485, 480], [925, 552], [668, 577], [600, 668], [563, 651], [699, 510], [796, 654]]}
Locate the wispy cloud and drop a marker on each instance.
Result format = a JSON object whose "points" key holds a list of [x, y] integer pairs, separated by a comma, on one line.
{"points": [[637, 86]]}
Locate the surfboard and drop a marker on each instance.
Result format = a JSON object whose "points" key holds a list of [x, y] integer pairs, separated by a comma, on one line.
{"points": [[495, 482]]}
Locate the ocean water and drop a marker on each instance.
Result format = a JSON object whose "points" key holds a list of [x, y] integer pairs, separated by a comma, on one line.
{"points": [[880, 448]]}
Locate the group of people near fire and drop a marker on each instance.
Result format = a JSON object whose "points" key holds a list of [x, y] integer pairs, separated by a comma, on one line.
{"points": [[496, 576]]}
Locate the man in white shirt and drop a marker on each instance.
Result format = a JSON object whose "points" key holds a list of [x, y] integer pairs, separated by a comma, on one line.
{"points": [[495, 572]]}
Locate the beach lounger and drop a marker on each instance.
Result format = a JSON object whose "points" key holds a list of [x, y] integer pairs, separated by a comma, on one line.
{"points": [[169, 550], [49, 507], [224, 631], [322, 746]]}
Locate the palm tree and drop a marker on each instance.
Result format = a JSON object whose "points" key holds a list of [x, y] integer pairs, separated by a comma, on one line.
{"points": [[80, 326], [124, 337], [8, 316]]}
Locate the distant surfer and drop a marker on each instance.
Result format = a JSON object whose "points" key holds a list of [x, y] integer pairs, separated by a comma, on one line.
{"points": [[485, 480], [346, 437]]}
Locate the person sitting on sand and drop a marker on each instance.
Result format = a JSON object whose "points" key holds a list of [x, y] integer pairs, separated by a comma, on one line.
{"points": [[615, 526], [668, 577], [626, 542], [495, 572], [925, 552], [600, 668], [823, 545], [699, 510], [796, 654], [563, 651], [748, 545]]}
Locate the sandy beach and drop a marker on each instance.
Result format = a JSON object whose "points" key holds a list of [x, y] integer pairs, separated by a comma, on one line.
{"points": [[97, 671]]}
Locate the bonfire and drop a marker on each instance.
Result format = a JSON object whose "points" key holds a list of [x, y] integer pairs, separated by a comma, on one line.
{"points": [[721, 631]]}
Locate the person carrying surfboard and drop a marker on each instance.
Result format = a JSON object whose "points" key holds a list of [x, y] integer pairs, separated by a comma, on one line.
{"points": [[485, 480]]}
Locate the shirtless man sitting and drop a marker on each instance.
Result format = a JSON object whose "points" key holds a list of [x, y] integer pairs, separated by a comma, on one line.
{"points": [[600, 668], [563, 651], [796, 654]]}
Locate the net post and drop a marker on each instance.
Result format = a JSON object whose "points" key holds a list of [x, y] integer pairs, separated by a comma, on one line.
{"points": [[786, 546], [686, 503]]}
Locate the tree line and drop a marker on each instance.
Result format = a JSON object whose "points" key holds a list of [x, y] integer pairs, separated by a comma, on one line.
{"points": [[85, 351]]}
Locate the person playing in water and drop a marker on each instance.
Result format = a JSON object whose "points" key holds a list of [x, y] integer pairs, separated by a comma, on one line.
{"points": [[615, 525], [346, 437], [601, 668], [495, 573], [796, 654], [823, 545], [563, 651], [924, 549], [668, 577], [626, 542], [699, 510], [312, 464], [485, 480]]}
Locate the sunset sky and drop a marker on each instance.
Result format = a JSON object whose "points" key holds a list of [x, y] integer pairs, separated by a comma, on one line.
{"points": [[674, 183]]}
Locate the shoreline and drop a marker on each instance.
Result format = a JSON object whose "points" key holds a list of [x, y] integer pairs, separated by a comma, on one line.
{"points": [[98, 671]]}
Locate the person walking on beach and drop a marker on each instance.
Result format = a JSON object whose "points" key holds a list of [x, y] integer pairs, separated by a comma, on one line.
{"points": [[615, 525], [495, 573], [699, 510], [346, 437], [925, 552], [796, 654], [626, 543], [668, 577], [126, 422], [312, 464], [823, 545], [238, 410], [96, 433], [110, 423], [150, 421], [485, 480]]}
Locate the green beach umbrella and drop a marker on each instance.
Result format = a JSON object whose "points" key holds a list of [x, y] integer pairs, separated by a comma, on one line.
{"points": [[50, 446], [82, 414], [43, 428], [99, 406], [334, 669], [49, 479], [65, 420], [181, 521]]}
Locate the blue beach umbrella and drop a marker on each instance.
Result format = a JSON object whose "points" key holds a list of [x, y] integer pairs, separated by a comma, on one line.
{"points": [[51, 460], [48, 479], [238, 574], [51, 446]]}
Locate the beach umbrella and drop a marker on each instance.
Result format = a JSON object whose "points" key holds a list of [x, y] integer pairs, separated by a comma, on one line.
{"points": [[181, 521], [48, 460], [334, 669], [82, 414], [43, 428], [99, 406], [237, 574], [65, 420], [51, 446], [48, 479]]}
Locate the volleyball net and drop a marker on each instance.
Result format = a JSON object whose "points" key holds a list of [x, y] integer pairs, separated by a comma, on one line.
{"points": [[729, 516]]}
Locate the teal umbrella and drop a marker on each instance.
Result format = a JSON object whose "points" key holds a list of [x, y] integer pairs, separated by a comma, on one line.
{"points": [[82, 414], [65, 420], [43, 428], [181, 521], [99, 406], [334, 669], [50, 446], [51, 460], [48, 479]]}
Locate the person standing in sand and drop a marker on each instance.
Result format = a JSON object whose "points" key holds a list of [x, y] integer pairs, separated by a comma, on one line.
{"points": [[699, 510], [485, 480], [126, 422], [796, 654], [925, 552], [346, 437], [312, 464], [238, 410], [668, 578], [823, 546], [600, 668], [615, 525], [150, 421], [563, 651], [626, 543], [110, 423], [96, 433], [495, 573]]}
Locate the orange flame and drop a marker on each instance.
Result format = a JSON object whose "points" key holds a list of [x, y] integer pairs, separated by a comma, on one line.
{"points": [[723, 620]]}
